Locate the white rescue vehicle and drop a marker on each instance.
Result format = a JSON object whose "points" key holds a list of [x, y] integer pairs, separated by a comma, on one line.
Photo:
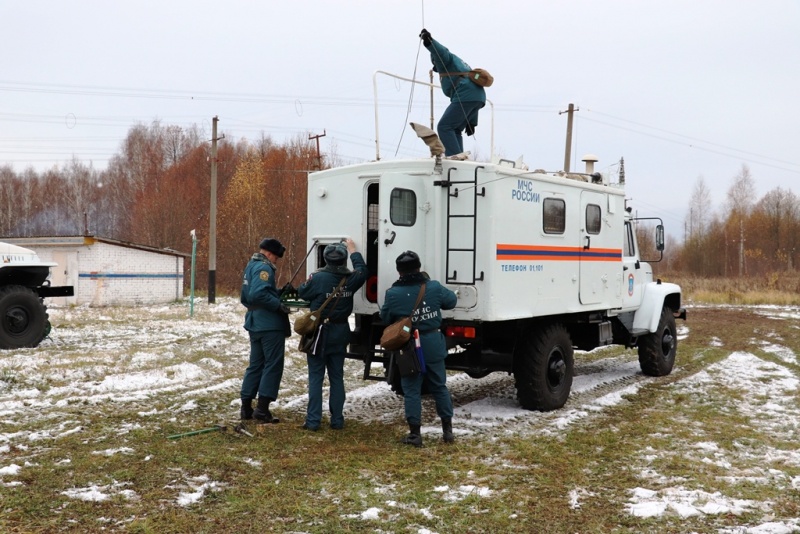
{"points": [[542, 263]]}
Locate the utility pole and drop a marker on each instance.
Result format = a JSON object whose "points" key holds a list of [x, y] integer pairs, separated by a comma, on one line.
{"points": [[319, 156], [741, 249], [212, 216], [568, 152]]}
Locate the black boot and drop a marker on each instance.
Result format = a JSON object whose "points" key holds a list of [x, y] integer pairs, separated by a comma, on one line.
{"points": [[414, 437], [262, 414], [247, 409], [447, 431]]}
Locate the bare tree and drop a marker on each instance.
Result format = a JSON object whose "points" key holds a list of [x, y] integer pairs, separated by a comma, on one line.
{"points": [[740, 199], [742, 193], [8, 181], [699, 208]]}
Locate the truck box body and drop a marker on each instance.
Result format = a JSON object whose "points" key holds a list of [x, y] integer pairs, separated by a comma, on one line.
{"points": [[519, 248], [523, 251]]}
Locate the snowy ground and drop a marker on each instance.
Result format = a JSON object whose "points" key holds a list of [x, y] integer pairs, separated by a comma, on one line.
{"points": [[87, 361]]}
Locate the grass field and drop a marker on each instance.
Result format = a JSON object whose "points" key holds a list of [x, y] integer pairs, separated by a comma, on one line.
{"points": [[85, 421]]}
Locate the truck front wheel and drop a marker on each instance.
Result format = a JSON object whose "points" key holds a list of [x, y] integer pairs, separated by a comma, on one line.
{"points": [[543, 368], [23, 318], [657, 350]]}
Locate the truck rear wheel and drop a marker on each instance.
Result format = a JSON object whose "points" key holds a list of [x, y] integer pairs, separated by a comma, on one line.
{"points": [[23, 318], [657, 350], [543, 368]]}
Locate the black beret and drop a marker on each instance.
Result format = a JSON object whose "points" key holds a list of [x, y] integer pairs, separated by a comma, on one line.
{"points": [[272, 245], [335, 254], [407, 262]]}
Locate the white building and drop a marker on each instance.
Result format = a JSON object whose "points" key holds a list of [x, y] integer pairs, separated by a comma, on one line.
{"points": [[107, 272]]}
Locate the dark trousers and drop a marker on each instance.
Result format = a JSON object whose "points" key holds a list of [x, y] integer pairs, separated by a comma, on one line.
{"points": [[263, 375], [454, 121]]}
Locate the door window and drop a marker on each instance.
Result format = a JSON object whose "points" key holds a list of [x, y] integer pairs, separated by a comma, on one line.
{"points": [[403, 207], [629, 249], [592, 219]]}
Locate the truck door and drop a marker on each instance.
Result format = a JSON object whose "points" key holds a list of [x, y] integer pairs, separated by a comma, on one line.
{"points": [[600, 254], [633, 277], [403, 210]]}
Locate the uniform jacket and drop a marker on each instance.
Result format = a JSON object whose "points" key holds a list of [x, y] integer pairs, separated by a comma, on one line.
{"points": [[260, 295], [427, 318], [400, 298], [456, 88], [322, 284]]}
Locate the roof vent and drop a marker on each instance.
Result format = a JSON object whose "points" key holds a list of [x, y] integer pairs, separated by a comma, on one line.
{"points": [[590, 160]]}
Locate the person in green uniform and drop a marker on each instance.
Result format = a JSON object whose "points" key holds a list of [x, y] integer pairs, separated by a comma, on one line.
{"points": [[427, 318], [267, 323], [319, 286], [466, 98]]}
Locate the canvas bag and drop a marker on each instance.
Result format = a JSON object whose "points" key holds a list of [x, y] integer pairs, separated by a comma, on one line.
{"points": [[308, 322], [397, 334], [477, 76]]}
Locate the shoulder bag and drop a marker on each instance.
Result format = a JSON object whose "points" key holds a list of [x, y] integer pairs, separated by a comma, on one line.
{"points": [[396, 335], [477, 76], [308, 322]]}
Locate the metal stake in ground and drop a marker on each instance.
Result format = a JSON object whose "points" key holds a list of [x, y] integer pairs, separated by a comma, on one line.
{"points": [[215, 428]]}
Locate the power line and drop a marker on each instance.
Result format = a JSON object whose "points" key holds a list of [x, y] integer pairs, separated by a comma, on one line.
{"points": [[705, 149], [685, 136]]}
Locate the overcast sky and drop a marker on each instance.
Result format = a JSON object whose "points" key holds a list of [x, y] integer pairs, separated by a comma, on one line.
{"points": [[680, 89]]}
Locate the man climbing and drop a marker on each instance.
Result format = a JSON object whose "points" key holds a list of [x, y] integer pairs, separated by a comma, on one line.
{"points": [[466, 97]]}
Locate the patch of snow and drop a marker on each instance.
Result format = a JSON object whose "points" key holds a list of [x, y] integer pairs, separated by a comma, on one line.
{"points": [[12, 469]]}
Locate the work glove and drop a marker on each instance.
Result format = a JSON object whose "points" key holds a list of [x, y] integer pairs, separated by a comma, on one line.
{"points": [[285, 309], [425, 35], [470, 130]]}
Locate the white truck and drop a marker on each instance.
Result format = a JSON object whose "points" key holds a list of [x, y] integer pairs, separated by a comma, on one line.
{"points": [[24, 285], [542, 263]]}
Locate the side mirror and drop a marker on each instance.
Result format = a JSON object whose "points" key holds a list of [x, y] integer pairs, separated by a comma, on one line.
{"points": [[660, 237]]}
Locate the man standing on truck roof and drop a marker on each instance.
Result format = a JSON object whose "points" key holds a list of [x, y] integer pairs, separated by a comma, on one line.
{"points": [[317, 289], [426, 318], [466, 97], [267, 323]]}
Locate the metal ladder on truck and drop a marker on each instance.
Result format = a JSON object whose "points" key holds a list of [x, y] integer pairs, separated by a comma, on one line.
{"points": [[452, 193]]}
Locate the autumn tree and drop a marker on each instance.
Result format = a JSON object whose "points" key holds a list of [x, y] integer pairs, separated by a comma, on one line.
{"points": [[772, 229], [266, 198]]}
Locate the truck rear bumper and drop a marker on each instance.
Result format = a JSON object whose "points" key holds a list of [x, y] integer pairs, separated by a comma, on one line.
{"points": [[58, 291]]}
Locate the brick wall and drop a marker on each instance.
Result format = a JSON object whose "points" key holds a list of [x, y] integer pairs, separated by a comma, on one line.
{"points": [[112, 275]]}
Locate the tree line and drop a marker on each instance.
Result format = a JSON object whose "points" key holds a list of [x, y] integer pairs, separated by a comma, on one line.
{"points": [[156, 189], [746, 237]]}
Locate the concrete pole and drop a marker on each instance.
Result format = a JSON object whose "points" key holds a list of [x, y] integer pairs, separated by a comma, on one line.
{"points": [[568, 151], [212, 234]]}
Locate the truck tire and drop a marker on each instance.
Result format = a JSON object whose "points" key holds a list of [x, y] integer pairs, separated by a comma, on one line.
{"points": [[657, 350], [543, 368], [23, 318]]}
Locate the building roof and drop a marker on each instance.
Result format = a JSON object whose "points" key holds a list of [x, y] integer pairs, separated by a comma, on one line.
{"points": [[86, 240]]}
